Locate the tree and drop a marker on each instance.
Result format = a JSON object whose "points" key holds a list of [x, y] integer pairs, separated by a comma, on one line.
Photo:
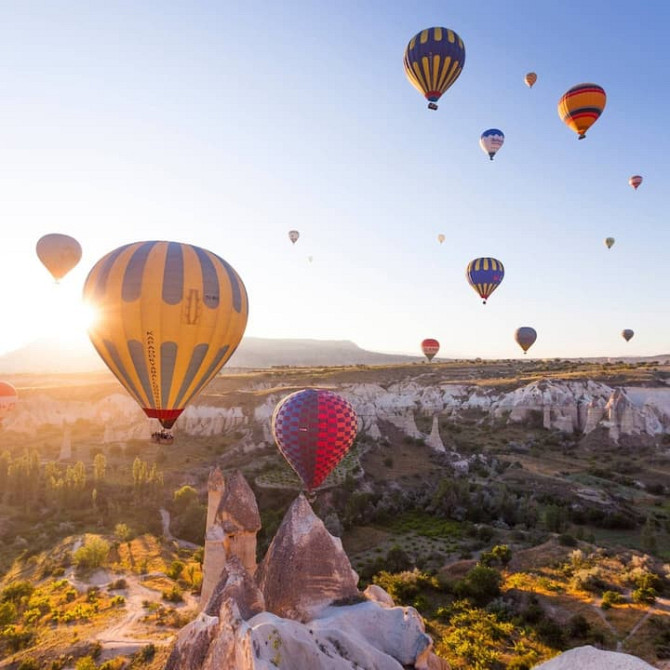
{"points": [[99, 467]]}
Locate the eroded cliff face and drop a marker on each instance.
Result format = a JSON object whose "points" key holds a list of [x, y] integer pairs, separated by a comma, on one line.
{"points": [[288, 616], [568, 406]]}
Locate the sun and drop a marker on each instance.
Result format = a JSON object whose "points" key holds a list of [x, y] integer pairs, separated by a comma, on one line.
{"points": [[71, 319]]}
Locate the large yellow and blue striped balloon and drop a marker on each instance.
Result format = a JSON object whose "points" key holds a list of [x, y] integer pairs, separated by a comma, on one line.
{"points": [[485, 275], [169, 316], [581, 106], [433, 61]]}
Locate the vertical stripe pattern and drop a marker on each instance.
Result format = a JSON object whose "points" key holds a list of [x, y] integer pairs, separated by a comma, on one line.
{"points": [[433, 60], [484, 275], [169, 316]]}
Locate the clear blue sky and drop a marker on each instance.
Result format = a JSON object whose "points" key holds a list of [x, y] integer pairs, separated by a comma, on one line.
{"points": [[225, 124]]}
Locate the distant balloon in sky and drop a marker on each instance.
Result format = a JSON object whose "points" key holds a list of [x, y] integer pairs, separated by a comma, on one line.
{"points": [[635, 181], [581, 106], [310, 258], [433, 61], [485, 275], [8, 398], [530, 79], [609, 242], [525, 337], [627, 334], [293, 235], [430, 347], [314, 429], [169, 316], [440, 238], [491, 140], [58, 253]]}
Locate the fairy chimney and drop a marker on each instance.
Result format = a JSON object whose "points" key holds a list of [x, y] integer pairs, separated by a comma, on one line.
{"points": [[235, 520]]}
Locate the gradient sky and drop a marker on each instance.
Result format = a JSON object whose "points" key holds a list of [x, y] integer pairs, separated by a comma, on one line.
{"points": [[225, 124]]}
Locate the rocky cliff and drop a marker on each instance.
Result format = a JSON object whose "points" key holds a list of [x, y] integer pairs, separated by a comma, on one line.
{"points": [[292, 615], [568, 406]]}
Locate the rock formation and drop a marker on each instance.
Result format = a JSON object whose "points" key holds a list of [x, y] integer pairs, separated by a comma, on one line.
{"points": [[304, 570], [232, 523], [590, 658], [570, 406], [305, 567], [434, 440]]}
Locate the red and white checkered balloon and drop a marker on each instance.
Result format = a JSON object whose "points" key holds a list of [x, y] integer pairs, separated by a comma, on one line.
{"points": [[314, 429]]}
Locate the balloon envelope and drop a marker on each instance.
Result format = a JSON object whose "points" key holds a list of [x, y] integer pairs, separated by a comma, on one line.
{"points": [[58, 253], [581, 106], [8, 398], [440, 238], [430, 347], [293, 235], [635, 181], [314, 429], [491, 140], [485, 275], [530, 79], [169, 316], [433, 61], [525, 337], [627, 334], [609, 242]]}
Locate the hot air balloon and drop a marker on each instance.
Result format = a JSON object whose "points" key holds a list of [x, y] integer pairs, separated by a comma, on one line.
{"points": [[430, 347], [580, 107], [530, 79], [8, 398], [485, 275], [440, 238], [635, 181], [525, 337], [169, 316], [293, 235], [310, 258], [609, 242], [627, 334], [433, 61], [491, 140], [314, 429], [58, 253]]}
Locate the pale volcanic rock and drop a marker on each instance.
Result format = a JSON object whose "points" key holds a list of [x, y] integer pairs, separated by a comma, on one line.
{"points": [[377, 594], [590, 658], [204, 420], [305, 567], [193, 642], [625, 418], [434, 440], [233, 521], [238, 585]]}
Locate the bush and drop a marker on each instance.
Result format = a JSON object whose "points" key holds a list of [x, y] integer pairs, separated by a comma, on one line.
{"points": [[175, 570], [567, 540], [85, 663], [174, 595], [611, 598], [93, 554], [644, 595], [481, 585]]}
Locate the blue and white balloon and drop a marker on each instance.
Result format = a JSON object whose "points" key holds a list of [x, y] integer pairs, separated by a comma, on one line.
{"points": [[491, 141]]}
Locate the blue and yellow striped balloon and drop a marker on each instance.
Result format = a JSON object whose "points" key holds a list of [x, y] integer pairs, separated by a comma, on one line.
{"points": [[169, 316], [485, 275], [433, 61], [581, 106]]}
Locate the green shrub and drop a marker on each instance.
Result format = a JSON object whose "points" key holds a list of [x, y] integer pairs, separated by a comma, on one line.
{"points": [[92, 554], [611, 598]]}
